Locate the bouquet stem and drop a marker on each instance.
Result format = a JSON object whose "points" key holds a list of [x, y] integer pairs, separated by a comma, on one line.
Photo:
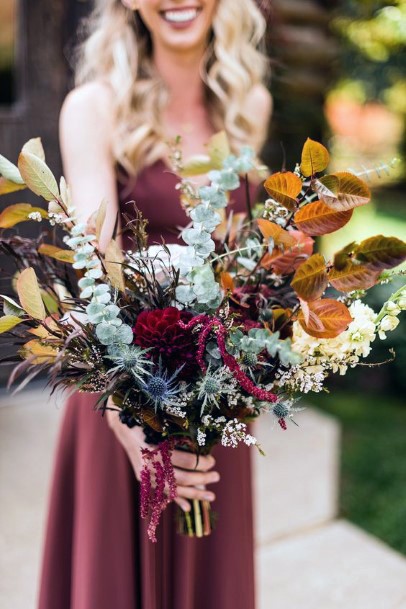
{"points": [[198, 522]]}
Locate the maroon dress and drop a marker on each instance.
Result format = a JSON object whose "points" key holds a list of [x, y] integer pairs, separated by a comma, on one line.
{"points": [[97, 554]]}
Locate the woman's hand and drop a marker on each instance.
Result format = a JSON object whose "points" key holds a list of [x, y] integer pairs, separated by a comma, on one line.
{"points": [[189, 474]]}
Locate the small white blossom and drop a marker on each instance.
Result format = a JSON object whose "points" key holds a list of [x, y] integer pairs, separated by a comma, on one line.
{"points": [[235, 432], [393, 308], [35, 215], [402, 302], [176, 411], [201, 437], [388, 323], [55, 218]]}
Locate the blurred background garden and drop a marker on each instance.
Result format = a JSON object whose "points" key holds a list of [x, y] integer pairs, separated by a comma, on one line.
{"points": [[338, 76]]}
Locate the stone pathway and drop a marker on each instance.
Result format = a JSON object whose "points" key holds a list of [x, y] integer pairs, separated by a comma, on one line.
{"points": [[305, 558], [336, 566]]}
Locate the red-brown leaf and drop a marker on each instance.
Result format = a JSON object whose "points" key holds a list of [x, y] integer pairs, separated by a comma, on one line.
{"points": [[381, 252], [319, 219], [352, 192], [353, 277]]}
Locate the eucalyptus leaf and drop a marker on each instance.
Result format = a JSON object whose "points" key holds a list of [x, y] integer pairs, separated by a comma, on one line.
{"points": [[185, 294], [124, 335], [105, 333]]}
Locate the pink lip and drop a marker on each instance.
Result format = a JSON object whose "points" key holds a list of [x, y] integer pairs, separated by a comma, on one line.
{"points": [[180, 8]]}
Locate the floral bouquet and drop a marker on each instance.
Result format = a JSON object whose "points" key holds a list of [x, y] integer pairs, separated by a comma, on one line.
{"points": [[194, 342]]}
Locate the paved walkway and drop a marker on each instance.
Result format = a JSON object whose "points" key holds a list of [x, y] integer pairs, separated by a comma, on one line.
{"points": [[306, 559]]}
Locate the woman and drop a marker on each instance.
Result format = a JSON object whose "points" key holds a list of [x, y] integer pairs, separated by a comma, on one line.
{"points": [[151, 70]]}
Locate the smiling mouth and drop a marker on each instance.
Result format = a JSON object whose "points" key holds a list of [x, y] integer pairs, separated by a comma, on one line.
{"points": [[181, 16]]}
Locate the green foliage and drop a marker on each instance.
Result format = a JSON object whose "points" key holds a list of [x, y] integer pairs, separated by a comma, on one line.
{"points": [[374, 36]]}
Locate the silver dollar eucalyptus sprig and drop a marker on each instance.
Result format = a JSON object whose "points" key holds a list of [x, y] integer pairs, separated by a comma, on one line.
{"points": [[199, 283], [101, 310]]}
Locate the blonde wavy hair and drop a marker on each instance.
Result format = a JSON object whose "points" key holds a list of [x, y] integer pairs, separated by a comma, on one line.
{"points": [[117, 50]]}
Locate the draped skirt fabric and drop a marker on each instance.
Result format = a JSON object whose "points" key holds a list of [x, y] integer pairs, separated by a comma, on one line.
{"points": [[97, 554]]}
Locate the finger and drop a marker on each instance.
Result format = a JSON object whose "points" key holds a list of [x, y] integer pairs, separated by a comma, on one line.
{"points": [[188, 461], [185, 478], [191, 492], [183, 504]]}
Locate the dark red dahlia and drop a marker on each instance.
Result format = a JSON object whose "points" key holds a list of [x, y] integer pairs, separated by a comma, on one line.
{"points": [[159, 330]]}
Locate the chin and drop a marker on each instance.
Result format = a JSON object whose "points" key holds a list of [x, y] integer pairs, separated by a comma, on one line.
{"points": [[184, 42]]}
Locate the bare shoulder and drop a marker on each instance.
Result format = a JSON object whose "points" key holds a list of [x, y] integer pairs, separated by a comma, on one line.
{"points": [[87, 105], [259, 101]]}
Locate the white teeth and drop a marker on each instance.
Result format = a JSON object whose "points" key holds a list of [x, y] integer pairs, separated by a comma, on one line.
{"points": [[181, 16]]}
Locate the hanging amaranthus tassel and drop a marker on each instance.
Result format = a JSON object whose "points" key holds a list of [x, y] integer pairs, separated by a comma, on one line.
{"points": [[155, 498]]}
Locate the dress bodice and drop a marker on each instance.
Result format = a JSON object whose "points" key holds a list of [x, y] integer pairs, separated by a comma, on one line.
{"points": [[155, 195]]}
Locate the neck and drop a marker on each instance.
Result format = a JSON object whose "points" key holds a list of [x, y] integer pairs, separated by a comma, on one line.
{"points": [[181, 74]]}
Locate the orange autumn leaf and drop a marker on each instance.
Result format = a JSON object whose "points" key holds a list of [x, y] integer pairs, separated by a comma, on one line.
{"points": [[19, 212], [226, 281], [325, 318], [310, 279], [47, 330], [279, 235], [284, 187], [113, 259], [29, 294], [315, 158], [284, 262]]}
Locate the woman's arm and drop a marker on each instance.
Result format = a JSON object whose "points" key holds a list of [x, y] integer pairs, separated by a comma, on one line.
{"points": [[85, 134], [259, 103]]}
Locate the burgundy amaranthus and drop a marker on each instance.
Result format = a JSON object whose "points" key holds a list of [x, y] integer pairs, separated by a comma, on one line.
{"points": [[215, 324], [154, 499]]}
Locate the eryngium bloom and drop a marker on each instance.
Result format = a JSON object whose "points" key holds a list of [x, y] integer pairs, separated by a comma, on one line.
{"points": [[131, 359], [161, 389]]}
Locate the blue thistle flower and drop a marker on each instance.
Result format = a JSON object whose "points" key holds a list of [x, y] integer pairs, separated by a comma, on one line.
{"points": [[131, 359], [213, 386], [161, 389]]}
